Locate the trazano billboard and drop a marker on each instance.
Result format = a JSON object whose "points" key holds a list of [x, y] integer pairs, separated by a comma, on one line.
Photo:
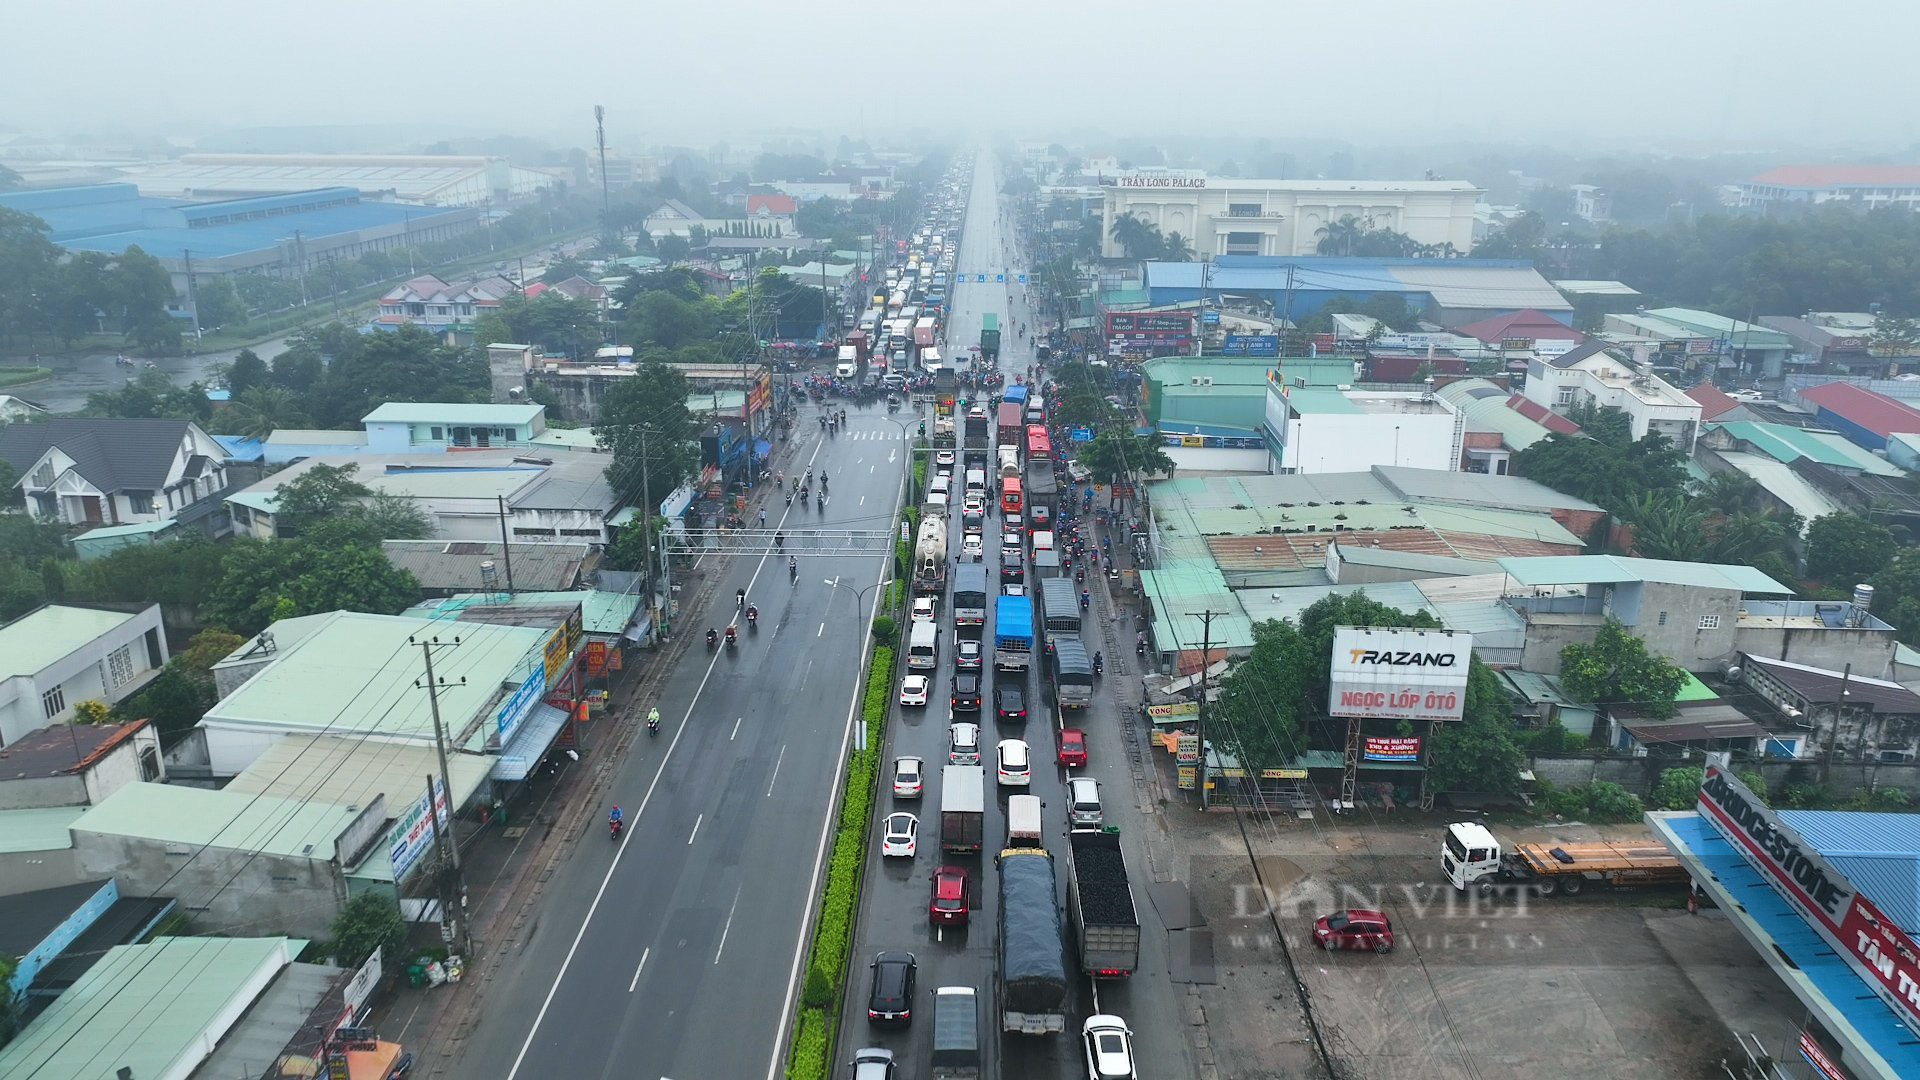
{"points": [[1398, 674], [1884, 957]]}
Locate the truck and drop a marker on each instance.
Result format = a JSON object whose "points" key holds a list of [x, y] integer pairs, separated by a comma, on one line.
{"points": [[943, 433], [1043, 497], [976, 431], [1072, 673], [1033, 973], [1015, 395], [956, 1033], [1012, 633], [963, 804], [1009, 457], [930, 556], [1059, 607], [1472, 856], [989, 337], [1007, 426], [1100, 904], [970, 597]]}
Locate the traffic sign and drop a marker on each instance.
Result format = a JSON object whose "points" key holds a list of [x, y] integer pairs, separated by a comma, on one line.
{"points": [[981, 278], [1210, 318], [1023, 279], [999, 277]]}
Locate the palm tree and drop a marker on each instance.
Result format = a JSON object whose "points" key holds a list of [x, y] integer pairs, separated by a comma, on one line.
{"points": [[263, 410], [1728, 492], [1338, 237], [1176, 249], [1665, 526], [1138, 238]]}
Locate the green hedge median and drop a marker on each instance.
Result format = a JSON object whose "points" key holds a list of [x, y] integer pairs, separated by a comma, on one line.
{"points": [[833, 931]]}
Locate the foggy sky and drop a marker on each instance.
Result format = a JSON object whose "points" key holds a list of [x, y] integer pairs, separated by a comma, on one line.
{"points": [[1672, 73]]}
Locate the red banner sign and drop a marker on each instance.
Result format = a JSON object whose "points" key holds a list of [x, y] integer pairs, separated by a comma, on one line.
{"points": [[596, 658]]}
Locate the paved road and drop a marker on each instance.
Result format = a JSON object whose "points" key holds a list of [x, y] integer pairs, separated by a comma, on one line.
{"points": [[74, 377], [893, 904], [670, 955]]}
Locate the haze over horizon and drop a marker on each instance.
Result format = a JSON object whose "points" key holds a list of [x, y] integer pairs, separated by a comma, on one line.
{"points": [[1504, 70]]}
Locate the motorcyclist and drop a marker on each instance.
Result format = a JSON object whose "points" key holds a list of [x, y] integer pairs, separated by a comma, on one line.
{"points": [[614, 819], [753, 613], [793, 568], [733, 634], [820, 501], [780, 538], [740, 599], [653, 724], [713, 637]]}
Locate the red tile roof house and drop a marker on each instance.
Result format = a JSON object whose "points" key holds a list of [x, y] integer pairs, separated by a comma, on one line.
{"points": [[1864, 417], [764, 206], [1521, 324]]}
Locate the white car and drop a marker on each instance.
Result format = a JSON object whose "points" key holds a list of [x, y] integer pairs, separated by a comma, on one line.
{"points": [[924, 609], [943, 457], [1015, 769], [1109, 1048], [973, 547], [1013, 590], [1010, 539], [902, 831], [914, 689], [907, 774]]}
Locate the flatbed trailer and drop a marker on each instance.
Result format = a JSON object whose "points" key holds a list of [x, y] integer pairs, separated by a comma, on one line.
{"points": [[1473, 857]]}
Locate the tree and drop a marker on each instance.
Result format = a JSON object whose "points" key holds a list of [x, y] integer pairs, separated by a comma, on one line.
{"points": [[352, 578], [663, 319], [394, 517], [1845, 549], [1479, 753], [246, 372], [217, 304], [370, 922], [1896, 593], [1338, 237], [1893, 335], [1617, 669], [1114, 455], [12, 1006], [1175, 248], [152, 396], [1613, 476], [1138, 238], [1678, 788], [316, 494], [1519, 238], [262, 410], [645, 422], [673, 249]]}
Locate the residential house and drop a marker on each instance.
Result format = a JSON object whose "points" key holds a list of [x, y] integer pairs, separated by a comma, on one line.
{"points": [[1758, 351], [1523, 332], [439, 306], [1592, 204], [466, 495], [673, 218], [446, 567], [106, 471], [1811, 472], [1593, 375], [56, 656], [14, 409], [1717, 404], [78, 764], [415, 427], [575, 288], [1495, 429], [1697, 615], [1842, 713], [762, 207], [1315, 431]]}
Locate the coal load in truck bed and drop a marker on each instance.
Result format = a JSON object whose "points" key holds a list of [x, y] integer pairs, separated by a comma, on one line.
{"points": [[1104, 897]]}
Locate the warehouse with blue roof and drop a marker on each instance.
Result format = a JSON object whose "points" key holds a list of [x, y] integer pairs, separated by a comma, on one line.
{"points": [[275, 234], [1830, 901], [1448, 292]]}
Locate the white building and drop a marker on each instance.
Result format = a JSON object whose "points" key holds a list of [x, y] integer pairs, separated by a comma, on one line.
{"points": [[429, 179], [1868, 186], [57, 656], [104, 471], [673, 218], [1592, 204], [544, 497], [1590, 375], [1312, 430], [1225, 216]]}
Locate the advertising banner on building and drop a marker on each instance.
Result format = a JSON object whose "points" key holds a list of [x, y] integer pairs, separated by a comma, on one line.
{"points": [[412, 836], [1141, 325], [520, 703], [596, 659], [1390, 748], [1187, 750], [1884, 957], [560, 645], [1398, 674], [1250, 345], [1178, 712]]}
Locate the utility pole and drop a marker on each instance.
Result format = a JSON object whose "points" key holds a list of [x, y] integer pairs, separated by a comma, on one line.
{"points": [[600, 134], [1839, 714], [300, 261], [506, 546], [1200, 721], [193, 293], [460, 931]]}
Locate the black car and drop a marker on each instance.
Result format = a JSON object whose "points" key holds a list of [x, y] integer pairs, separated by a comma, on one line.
{"points": [[966, 692], [1010, 704], [891, 1000], [1012, 567]]}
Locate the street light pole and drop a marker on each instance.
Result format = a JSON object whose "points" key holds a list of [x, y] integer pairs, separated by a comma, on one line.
{"points": [[859, 595]]}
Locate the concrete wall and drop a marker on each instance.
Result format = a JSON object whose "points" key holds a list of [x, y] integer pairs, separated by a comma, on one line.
{"points": [[26, 871], [1640, 774], [221, 889], [1870, 651], [1349, 442], [122, 766], [42, 792], [1667, 617], [578, 396]]}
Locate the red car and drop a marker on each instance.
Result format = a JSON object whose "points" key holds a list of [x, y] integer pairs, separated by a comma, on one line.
{"points": [[1355, 928], [949, 906], [1073, 748]]}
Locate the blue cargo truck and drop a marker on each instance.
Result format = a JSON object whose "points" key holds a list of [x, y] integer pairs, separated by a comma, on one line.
{"points": [[1012, 633]]}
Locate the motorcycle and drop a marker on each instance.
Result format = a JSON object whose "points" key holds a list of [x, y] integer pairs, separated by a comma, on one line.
{"points": [[653, 722], [713, 640], [753, 619], [613, 828], [733, 639], [1099, 664]]}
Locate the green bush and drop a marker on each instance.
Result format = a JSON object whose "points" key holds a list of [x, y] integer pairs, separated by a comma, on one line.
{"points": [[1806, 797], [1599, 802], [1551, 739], [1678, 788], [833, 932], [884, 628]]}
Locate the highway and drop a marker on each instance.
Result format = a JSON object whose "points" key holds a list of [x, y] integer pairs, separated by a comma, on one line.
{"points": [[893, 902], [669, 954]]}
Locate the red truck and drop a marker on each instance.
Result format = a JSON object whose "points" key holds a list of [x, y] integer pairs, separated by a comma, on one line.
{"points": [[1009, 422]]}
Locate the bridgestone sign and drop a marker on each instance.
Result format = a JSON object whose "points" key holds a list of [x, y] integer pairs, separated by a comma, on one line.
{"points": [[1398, 674], [1884, 957]]}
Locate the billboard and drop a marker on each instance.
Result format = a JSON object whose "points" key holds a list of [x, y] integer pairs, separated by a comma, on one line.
{"points": [[1149, 324], [1394, 673], [560, 645], [1884, 957], [1390, 748], [1250, 345], [412, 836]]}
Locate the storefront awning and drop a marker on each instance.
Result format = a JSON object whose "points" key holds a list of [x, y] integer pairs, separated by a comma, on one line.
{"points": [[529, 743], [640, 631]]}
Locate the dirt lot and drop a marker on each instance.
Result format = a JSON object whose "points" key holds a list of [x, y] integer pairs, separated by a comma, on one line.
{"points": [[1608, 985]]}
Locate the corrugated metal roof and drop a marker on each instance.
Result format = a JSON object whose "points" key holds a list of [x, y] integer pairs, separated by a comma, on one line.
{"points": [[38, 830], [1824, 685], [1289, 603], [1498, 288], [1485, 406], [1879, 853], [47, 635], [1877, 413], [440, 412], [1476, 489], [1309, 401], [156, 1009], [1605, 569], [1596, 287], [197, 817], [1783, 483], [1787, 444], [352, 771]]}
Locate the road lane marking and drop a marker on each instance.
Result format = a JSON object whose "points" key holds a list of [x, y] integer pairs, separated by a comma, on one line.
{"points": [[636, 971], [776, 769], [727, 927], [696, 829], [862, 502], [736, 728], [822, 631]]}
